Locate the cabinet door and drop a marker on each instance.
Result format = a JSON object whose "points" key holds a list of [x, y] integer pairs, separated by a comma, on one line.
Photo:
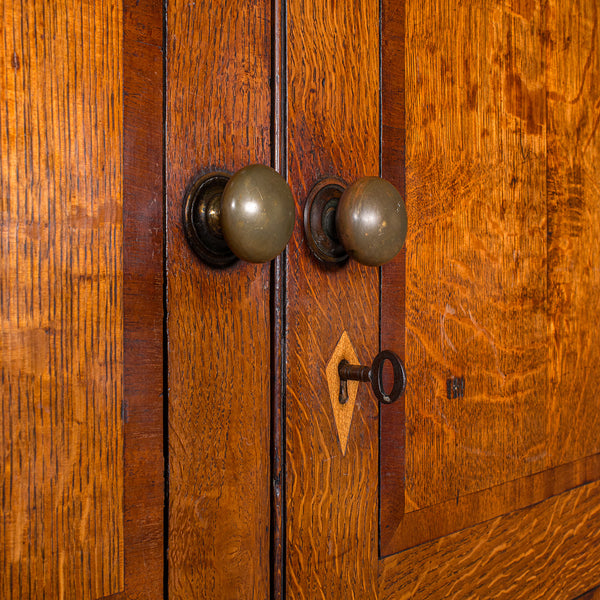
{"points": [[476, 491], [81, 300], [482, 480]]}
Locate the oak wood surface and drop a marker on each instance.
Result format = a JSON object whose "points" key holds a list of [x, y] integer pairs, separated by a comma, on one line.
{"points": [[550, 550], [558, 428], [61, 288], [479, 236], [392, 417], [143, 286], [218, 118], [590, 595], [573, 92], [476, 252], [333, 130]]}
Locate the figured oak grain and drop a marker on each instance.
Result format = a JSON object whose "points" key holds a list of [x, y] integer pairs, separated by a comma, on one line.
{"points": [[476, 189], [333, 130], [573, 59], [61, 307], [218, 118], [558, 428], [476, 252], [551, 550]]}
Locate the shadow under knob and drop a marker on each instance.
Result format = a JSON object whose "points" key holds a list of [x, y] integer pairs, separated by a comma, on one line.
{"points": [[248, 215]]}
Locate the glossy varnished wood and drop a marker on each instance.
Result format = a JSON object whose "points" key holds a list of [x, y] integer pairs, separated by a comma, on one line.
{"points": [[476, 189], [143, 268], [553, 446], [392, 417], [476, 252], [218, 117], [590, 595], [333, 119], [573, 59], [61, 289], [551, 550]]}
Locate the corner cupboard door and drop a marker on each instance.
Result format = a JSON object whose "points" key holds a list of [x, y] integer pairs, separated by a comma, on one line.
{"points": [[81, 311], [482, 481]]}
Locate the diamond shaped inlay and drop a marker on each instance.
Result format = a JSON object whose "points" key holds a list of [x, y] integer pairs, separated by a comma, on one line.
{"points": [[342, 412]]}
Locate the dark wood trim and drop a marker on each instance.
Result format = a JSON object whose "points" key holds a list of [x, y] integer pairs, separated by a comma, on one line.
{"points": [[143, 266], [392, 328], [590, 595], [466, 511], [278, 309]]}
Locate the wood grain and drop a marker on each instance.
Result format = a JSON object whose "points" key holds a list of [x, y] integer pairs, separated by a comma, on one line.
{"points": [[476, 192], [468, 510], [558, 427], [392, 417], [591, 595], [143, 287], [333, 130], [551, 550], [218, 117], [476, 250], [61, 287], [573, 58]]}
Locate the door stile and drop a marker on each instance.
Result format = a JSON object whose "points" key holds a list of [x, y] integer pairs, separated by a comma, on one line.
{"points": [[333, 131], [218, 118], [392, 333]]}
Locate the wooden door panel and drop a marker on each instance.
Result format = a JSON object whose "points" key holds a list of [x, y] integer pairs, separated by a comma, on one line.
{"points": [[81, 300], [476, 252], [498, 266], [218, 118], [333, 130], [550, 550], [573, 227], [61, 300], [486, 284]]}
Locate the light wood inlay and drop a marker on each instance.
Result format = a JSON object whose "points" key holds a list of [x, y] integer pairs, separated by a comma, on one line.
{"points": [[342, 412], [61, 287]]}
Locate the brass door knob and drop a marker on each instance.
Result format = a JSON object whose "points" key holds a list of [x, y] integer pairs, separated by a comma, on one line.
{"points": [[248, 215], [366, 221]]}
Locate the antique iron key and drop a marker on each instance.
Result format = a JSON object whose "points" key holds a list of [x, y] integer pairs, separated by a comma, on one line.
{"points": [[374, 375]]}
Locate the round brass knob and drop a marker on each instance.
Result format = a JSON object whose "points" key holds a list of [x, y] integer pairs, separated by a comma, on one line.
{"points": [[248, 215], [369, 221]]}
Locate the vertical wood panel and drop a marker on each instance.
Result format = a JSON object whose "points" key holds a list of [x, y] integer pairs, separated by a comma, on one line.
{"points": [[61, 312], [218, 117], [333, 117], [573, 59], [476, 248], [143, 289]]}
